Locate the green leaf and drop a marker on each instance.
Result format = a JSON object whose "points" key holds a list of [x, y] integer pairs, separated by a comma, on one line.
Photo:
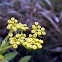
{"points": [[9, 56], [1, 56], [25, 59]]}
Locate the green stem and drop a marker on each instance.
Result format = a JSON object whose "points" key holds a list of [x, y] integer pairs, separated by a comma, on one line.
{"points": [[3, 43], [6, 47], [39, 36], [15, 32], [21, 31], [5, 40]]}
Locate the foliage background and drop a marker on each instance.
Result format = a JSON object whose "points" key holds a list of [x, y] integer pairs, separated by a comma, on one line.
{"points": [[48, 13]]}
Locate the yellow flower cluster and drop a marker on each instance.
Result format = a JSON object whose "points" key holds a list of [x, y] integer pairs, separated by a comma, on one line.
{"points": [[22, 27], [17, 39], [30, 42], [12, 24], [37, 29]]}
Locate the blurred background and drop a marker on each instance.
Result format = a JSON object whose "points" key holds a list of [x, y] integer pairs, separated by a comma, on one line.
{"points": [[49, 15]]}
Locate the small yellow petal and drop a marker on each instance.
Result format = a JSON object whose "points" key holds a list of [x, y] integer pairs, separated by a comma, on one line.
{"points": [[15, 46]]}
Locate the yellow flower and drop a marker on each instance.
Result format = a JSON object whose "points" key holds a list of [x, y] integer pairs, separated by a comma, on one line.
{"points": [[23, 28], [9, 21], [21, 41], [12, 22], [34, 47], [18, 43], [26, 28], [30, 35], [36, 40], [35, 35], [38, 26], [24, 25], [15, 46], [15, 21], [10, 38], [9, 26], [22, 38], [39, 33], [20, 23], [33, 42], [24, 43], [41, 41], [24, 35], [33, 31], [42, 29], [43, 33], [36, 23], [29, 40], [12, 18], [10, 34], [34, 27], [14, 29], [39, 46], [39, 30], [17, 35], [29, 46], [11, 42]]}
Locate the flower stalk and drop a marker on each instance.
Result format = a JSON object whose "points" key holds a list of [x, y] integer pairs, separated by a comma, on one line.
{"points": [[6, 48], [5, 40]]}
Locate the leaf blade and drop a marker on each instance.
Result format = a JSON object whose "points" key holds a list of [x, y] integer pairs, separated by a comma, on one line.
{"points": [[25, 59], [9, 56]]}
